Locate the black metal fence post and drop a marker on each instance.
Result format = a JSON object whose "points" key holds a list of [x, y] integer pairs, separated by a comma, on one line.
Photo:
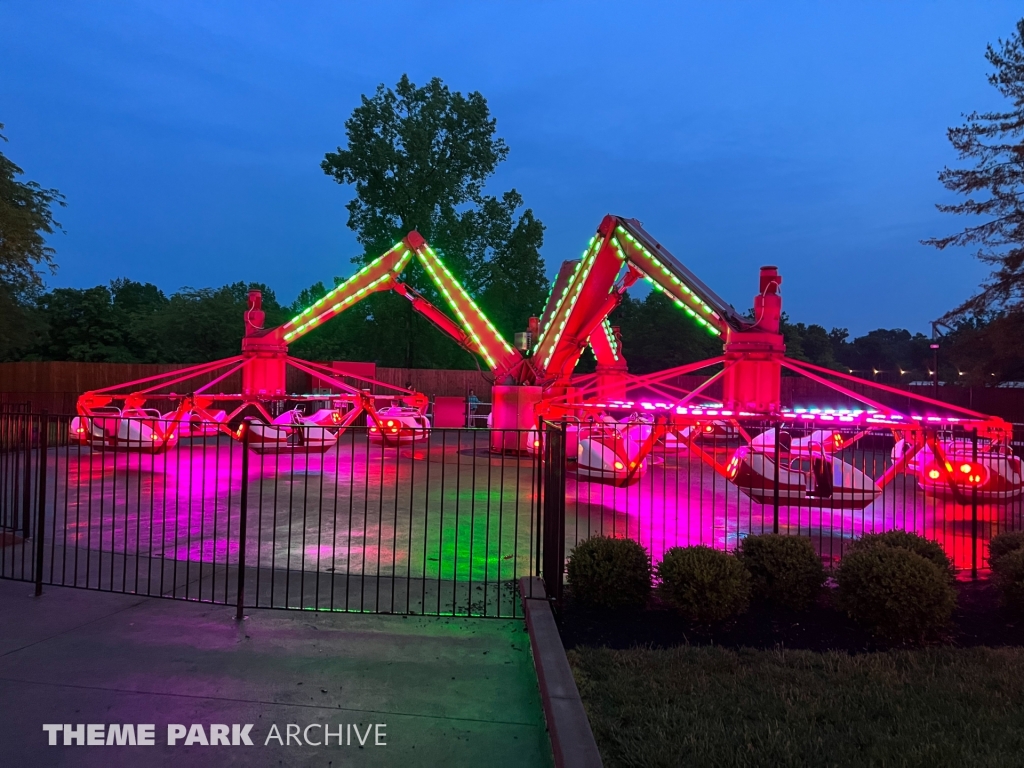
{"points": [[974, 507], [554, 512], [44, 428], [243, 515], [775, 490], [26, 480]]}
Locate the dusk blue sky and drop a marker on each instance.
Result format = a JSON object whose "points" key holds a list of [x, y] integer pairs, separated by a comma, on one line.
{"points": [[187, 136]]}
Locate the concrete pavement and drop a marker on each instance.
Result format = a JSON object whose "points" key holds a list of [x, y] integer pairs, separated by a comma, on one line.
{"points": [[443, 691]]}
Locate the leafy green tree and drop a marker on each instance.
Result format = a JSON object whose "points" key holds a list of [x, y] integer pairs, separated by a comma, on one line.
{"points": [[419, 158], [810, 343], [984, 350], [994, 185], [119, 323], [897, 355], [26, 218], [203, 324], [82, 325], [138, 308]]}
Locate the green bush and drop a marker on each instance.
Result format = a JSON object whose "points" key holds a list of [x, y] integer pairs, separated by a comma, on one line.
{"points": [[1008, 575], [611, 573], [894, 592], [704, 584], [783, 569], [1004, 544], [926, 548]]}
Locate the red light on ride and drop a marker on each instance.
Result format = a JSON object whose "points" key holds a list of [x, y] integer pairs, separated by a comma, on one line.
{"points": [[975, 473], [390, 423], [733, 467], [709, 429], [619, 465], [934, 474], [837, 441]]}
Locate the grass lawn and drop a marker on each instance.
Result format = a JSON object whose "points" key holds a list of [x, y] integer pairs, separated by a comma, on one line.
{"points": [[710, 706]]}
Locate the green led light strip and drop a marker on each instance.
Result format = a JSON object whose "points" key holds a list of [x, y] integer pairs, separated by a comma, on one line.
{"points": [[591, 252], [343, 304], [466, 325], [690, 294], [577, 283], [332, 293], [610, 335], [668, 273]]}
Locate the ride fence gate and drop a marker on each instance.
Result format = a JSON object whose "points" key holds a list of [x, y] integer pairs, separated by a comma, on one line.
{"points": [[438, 527]]}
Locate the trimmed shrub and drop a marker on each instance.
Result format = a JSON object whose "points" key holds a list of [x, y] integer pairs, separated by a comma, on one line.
{"points": [[926, 548], [783, 569], [704, 584], [1008, 575], [610, 573], [894, 592], [1003, 544]]}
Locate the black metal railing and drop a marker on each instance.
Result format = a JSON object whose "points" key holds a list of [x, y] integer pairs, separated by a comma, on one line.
{"points": [[680, 499], [441, 525], [438, 526]]}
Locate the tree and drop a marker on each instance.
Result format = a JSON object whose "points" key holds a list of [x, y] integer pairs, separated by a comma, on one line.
{"points": [[656, 335], [810, 343], [25, 220], [82, 325], [994, 186], [199, 325], [419, 159]]}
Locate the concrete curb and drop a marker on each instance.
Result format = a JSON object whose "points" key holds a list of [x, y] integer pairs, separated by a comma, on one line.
{"points": [[572, 741]]}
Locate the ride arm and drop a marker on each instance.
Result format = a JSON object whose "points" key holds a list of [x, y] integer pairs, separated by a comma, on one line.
{"points": [[501, 356], [439, 318], [666, 274], [605, 344], [585, 299], [378, 275]]}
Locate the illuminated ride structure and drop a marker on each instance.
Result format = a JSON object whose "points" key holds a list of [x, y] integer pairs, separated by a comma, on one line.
{"points": [[124, 416], [613, 420]]}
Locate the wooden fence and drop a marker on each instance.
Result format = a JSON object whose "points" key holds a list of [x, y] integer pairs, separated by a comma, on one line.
{"points": [[56, 385]]}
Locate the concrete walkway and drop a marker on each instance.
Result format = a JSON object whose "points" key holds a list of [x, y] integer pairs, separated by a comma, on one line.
{"points": [[448, 692]]}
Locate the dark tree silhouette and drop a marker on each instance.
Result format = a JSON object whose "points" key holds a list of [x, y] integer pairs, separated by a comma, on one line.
{"points": [[994, 186]]}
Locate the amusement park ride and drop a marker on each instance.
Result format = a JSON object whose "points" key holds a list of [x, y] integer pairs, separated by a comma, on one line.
{"points": [[613, 420]]}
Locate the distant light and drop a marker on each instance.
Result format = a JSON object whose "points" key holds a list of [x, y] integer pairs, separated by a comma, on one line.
{"points": [[902, 372], [874, 371]]}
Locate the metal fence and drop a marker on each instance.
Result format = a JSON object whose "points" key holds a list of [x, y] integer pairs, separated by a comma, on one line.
{"points": [[681, 500], [441, 526]]}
